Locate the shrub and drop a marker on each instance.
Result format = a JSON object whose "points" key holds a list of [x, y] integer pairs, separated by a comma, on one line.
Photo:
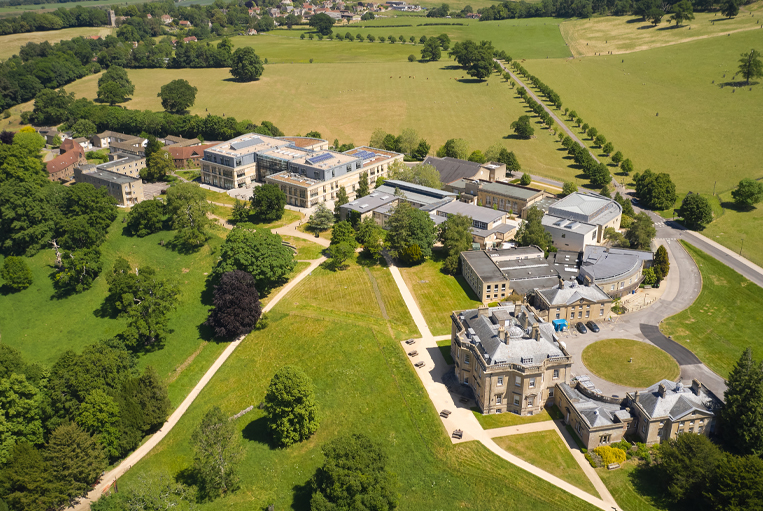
{"points": [[609, 455], [412, 254]]}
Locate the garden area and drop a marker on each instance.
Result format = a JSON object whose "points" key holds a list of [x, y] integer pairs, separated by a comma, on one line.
{"points": [[629, 363]]}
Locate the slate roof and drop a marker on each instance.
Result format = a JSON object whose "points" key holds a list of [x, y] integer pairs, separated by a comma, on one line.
{"points": [[571, 292], [521, 349], [453, 169], [586, 207], [477, 213], [678, 401], [603, 263], [595, 413]]}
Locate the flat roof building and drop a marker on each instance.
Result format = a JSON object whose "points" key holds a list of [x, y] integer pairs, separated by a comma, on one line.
{"points": [[580, 219], [617, 271], [127, 190], [514, 199]]}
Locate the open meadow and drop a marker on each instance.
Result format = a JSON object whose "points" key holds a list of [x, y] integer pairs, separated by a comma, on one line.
{"points": [[10, 44], [626, 34], [332, 327]]}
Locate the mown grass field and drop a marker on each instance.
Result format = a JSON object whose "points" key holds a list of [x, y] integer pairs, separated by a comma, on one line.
{"points": [[622, 484], [306, 250], [610, 359], [10, 44], [502, 420], [348, 102], [43, 327], [332, 327], [438, 294], [721, 322], [734, 226], [547, 451], [626, 34]]}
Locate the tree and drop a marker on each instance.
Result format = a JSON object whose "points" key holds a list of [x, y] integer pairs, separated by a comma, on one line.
{"points": [[26, 482], [83, 128], [696, 211], [322, 219], [411, 58], [410, 226], [477, 156], [99, 415], [422, 150], [217, 450], [509, 159], [419, 174], [258, 252], [363, 187], [748, 193], [526, 179], [750, 65], [187, 208], [237, 305], [617, 158], [367, 16], [454, 148], [431, 50], [122, 87], [20, 404], [737, 484], [268, 202], [641, 232], [656, 191], [569, 187], [177, 96], [615, 237], [661, 264], [599, 175], [593, 133], [370, 236], [76, 460], [246, 65], [340, 253], [608, 147], [354, 475], [687, 464], [16, 273], [600, 141], [408, 140], [522, 127], [240, 212], [655, 15], [78, 271], [343, 233], [455, 234], [150, 493], [158, 166], [145, 218], [322, 23], [153, 145], [682, 11], [627, 166], [532, 232], [741, 417], [729, 8], [290, 407], [341, 200]]}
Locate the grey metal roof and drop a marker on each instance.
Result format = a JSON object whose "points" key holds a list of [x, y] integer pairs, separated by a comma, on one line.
{"points": [[595, 413], [452, 169], [477, 213], [109, 176], [604, 263], [369, 202], [586, 207], [566, 224], [678, 401], [123, 158], [571, 292], [483, 265], [521, 349], [406, 186], [565, 263], [510, 190]]}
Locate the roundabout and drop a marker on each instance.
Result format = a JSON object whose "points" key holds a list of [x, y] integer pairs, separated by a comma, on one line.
{"points": [[629, 363]]}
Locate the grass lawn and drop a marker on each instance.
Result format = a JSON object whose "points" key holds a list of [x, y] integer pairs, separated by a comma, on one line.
{"points": [[73, 322], [720, 323], [502, 420], [10, 44], [736, 225], [323, 234], [299, 268], [445, 350], [622, 484], [438, 294], [190, 175], [306, 250], [332, 327], [547, 451], [625, 34], [609, 359], [714, 200]]}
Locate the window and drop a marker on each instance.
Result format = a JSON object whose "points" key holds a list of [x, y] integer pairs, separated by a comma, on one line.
{"points": [[557, 315], [550, 392], [643, 427], [488, 287], [500, 381], [578, 427], [659, 432], [622, 284], [691, 430], [532, 383], [466, 379], [518, 381], [588, 306], [530, 401], [466, 358], [587, 313], [691, 422], [580, 314], [612, 288], [601, 312], [699, 429], [556, 373], [517, 399], [498, 400], [557, 309], [680, 430], [499, 410]]}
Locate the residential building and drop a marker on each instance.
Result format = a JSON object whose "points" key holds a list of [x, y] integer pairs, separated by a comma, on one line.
{"points": [[187, 156], [514, 199], [618, 271], [668, 409], [50, 134], [380, 203], [453, 169], [107, 139], [125, 164], [172, 140], [580, 219], [490, 227], [127, 190], [597, 420], [509, 358], [572, 301], [185, 24], [190, 39], [166, 19], [61, 168]]}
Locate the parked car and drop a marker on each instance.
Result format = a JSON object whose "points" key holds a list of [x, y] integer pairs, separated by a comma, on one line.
{"points": [[581, 328], [593, 326]]}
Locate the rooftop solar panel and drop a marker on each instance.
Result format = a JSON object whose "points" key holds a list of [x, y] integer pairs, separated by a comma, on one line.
{"points": [[319, 158], [365, 155], [241, 144]]}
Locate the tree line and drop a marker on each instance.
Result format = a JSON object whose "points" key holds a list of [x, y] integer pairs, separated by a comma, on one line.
{"points": [[60, 18]]}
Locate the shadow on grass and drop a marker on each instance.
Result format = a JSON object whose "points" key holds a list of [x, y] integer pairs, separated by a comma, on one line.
{"points": [[302, 495], [733, 206], [636, 20], [470, 80], [257, 431], [646, 481], [738, 84]]}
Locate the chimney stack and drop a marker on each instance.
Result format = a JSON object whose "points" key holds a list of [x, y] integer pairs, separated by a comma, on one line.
{"points": [[483, 310], [561, 282], [635, 396], [536, 332], [662, 390], [695, 386]]}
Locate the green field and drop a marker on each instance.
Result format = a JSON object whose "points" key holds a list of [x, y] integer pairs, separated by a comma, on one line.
{"points": [[10, 44], [332, 327], [721, 322], [502, 420], [547, 451], [306, 250], [628, 362], [42, 327], [622, 485], [735, 226], [438, 294]]}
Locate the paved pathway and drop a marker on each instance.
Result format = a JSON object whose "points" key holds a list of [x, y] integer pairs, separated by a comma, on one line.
{"points": [[108, 479], [462, 417]]}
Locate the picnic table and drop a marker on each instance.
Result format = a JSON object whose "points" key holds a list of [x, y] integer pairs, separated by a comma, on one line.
{"points": [[445, 413], [413, 353], [419, 364], [458, 434], [410, 341]]}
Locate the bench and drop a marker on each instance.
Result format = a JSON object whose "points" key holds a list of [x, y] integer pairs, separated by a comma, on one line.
{"points": [[445, 413], [458, 434], [410, 341], [413, 353], [613, 466], [419, 364]]}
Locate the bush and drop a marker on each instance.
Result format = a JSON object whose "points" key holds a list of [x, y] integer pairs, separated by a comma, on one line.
{"points": [[411, 58], [609, 455], [16, 273], [593, 459], [412, 254]]}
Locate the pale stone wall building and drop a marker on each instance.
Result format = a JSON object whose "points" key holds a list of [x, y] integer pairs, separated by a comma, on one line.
{"points": [[127, 190], [580, 219], [572, 301]]}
